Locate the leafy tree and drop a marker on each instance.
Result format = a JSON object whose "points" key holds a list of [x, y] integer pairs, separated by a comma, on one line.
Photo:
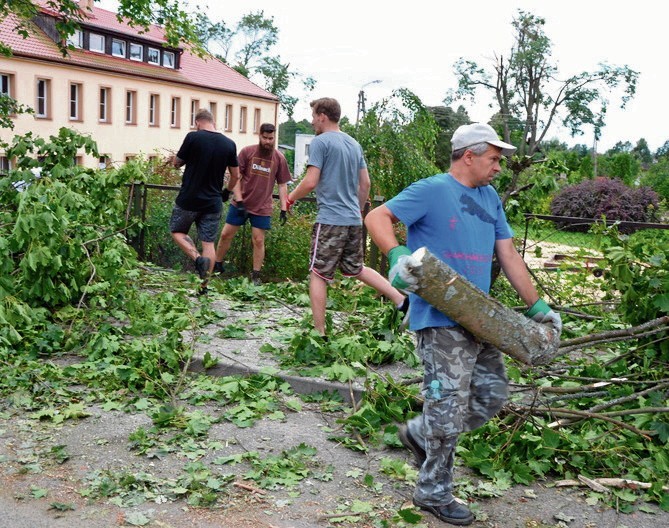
{"points": [[620, 146], [663, 151], [529, 97], [642, 152], [657, 177], [587, 168], [398, 136], [288, 130], [582, 150], [248, 49], [9, 107], [622, 165], [447, 120]]}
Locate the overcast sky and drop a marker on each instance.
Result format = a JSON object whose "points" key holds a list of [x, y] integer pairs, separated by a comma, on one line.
{"points": [[346, 44]]}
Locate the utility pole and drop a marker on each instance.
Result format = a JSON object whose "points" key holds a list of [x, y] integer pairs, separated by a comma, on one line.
{"points": [[361, 100], [594, 155]]}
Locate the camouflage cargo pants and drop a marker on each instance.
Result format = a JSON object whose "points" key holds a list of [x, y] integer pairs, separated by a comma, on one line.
{"points": [[472, 388]]}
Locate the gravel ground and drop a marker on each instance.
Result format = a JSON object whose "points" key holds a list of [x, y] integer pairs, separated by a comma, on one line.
{"points": [[100, 442], [34, 484]]}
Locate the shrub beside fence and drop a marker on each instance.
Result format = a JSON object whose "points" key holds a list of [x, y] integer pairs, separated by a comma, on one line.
{"points": [[286, 247]]}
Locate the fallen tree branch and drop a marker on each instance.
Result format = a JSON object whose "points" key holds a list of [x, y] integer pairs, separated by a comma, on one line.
{"points": [[582, 388], [634, 350], [624, 332], [610, 482], [630, 397], [593, 484], [575, 396], [581, 414], [638, 410], [248, 487], [567, 350]]}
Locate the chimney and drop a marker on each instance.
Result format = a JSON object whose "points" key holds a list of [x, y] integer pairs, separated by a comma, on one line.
{"points": [[86, 5]]}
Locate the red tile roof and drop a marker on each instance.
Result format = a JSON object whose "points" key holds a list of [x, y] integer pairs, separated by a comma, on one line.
{"points": [[206, 73]]}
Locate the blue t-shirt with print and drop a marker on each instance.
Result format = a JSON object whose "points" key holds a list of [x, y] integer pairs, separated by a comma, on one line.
{"points": [[340, 159], [458, 225]]}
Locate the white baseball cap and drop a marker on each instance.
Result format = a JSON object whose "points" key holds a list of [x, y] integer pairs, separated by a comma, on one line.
{"points": [[468, 135]]}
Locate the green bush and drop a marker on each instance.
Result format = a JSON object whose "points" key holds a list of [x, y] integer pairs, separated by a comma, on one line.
{"points": [[657, 178]]}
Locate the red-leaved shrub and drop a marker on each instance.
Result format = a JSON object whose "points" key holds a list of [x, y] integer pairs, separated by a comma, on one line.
{"points": [[608, 197]]}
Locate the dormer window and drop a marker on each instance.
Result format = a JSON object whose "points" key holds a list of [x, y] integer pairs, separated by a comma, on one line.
{"points": [[168, 59], [118, 48], [76, 39], [96, 43], [136, 52], [153, 56]]}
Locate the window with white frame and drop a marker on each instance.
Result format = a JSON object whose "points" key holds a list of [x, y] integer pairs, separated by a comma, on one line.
{"points": [[118, 48], [136, 52], [96, 43], [228, 117], [194, 107], [242, 119], [154, 109], [256, 121], [104, 161], [130, 107], [76, 39], [153, 56], [168, 59], [75, 101], [6, 84], [175, 112], [43, 98], [104, 114]]}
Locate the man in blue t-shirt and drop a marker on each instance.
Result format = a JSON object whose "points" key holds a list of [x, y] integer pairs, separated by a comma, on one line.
{"points": [[337, 171], [459, 217]]}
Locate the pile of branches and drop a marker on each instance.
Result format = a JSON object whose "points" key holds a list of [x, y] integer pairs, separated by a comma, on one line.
{"points": [[547, 400]]}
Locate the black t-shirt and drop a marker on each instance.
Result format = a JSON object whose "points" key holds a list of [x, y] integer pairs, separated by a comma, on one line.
{"points": [[207, 156]]}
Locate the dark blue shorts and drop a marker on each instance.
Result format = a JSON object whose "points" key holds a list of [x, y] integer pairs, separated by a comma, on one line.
{"points": [[236, 219], [206, 223]]}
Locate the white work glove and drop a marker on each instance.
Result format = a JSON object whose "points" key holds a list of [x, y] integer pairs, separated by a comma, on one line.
{"points": [[403, 268], [542, 313]]}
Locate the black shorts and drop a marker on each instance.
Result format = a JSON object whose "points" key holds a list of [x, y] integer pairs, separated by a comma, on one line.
{"points": [[207, 223]]}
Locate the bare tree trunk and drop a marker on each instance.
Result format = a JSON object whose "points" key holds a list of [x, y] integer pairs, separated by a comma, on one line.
{"points": [[488, 319]]}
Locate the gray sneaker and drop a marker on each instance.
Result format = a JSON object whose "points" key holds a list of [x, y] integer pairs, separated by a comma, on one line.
{"points": [[202, 266], [255, 278]]}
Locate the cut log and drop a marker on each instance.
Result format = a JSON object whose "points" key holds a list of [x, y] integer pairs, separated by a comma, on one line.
{"points": [[488, 319]]}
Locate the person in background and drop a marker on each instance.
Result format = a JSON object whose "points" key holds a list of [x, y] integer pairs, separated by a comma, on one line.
{"points": [[337, 171], [459, 217], [261, 166], [207, 154]]}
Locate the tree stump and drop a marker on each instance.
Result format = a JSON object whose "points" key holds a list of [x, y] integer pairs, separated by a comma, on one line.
{"points": [[511, 332]]}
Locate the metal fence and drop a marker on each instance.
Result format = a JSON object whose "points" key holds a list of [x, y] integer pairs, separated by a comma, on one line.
{"points": [[557, 245]]}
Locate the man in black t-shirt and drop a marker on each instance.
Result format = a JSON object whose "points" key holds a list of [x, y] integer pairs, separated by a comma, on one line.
{"points": [[206, 154]]}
